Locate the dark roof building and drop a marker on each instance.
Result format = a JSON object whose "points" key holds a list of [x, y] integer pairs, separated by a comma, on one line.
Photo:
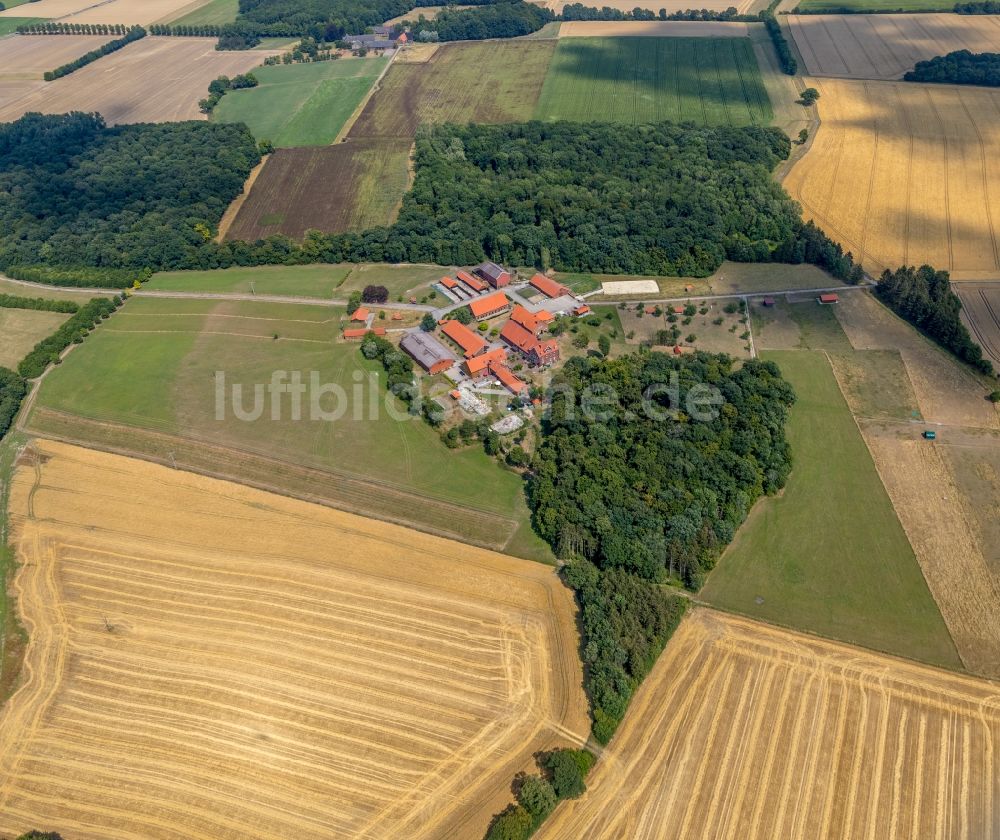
{"points": [[427, 351], [496, 275]]}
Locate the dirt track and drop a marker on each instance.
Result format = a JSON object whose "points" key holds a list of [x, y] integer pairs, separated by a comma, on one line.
{"points": [[212, 661], [905, 174], [749, 732]]}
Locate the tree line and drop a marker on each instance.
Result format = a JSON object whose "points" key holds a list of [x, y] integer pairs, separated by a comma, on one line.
{"points": [[72, 331], [923, 296], [13, 389], [505, 19], [579, 11], [986, 7], [133, 34], [960, 67], [51, 27], [40, 304], [662, 199], [785, 58]]}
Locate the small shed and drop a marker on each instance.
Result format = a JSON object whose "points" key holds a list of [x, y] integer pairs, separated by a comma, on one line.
{"points": [[767, 302], [829, 298], [360, 314]]}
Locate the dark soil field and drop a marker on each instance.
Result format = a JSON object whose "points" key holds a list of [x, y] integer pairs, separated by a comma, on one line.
{"points": [[350, 186]]}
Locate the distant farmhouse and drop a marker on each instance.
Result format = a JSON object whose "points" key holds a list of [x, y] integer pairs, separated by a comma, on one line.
{"points": [[383, 38]]}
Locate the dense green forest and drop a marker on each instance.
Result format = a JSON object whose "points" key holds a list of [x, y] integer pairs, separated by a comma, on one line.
{"points": [[497, 20], [632, 484], [923, 296], [642, 483], [12, 390], [74, 192], [657, 199], [958, 68]]}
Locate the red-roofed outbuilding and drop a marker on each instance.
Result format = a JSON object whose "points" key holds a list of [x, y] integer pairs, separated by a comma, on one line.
{"points": [[548, 287], [489, 306], [471, 344]]}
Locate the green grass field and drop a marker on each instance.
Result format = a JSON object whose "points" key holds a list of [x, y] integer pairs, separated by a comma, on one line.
{"points": [[319, 281], [214, 12], [301, 104], [828, 555], [153, 367], [8, 25], [711, 81]]}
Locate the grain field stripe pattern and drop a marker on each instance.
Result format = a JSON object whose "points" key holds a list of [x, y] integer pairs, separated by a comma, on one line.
{"points": [[317, 674], [849, 744]]}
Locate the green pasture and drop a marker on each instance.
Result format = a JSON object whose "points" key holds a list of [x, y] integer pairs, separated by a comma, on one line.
{"points": [[711, 81], [8, 25], [214, 12], [301, 104], [154, 366], [828, 554], [318, 281]]}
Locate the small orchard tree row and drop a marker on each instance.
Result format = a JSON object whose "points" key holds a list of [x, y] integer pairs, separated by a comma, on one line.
{"points": [[134, 34], [41, 304], [204, 30], [51, 27]]}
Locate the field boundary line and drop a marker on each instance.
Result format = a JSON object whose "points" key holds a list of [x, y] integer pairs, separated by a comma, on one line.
{"points": [[234, 476], [375, 87], [233, 210]]}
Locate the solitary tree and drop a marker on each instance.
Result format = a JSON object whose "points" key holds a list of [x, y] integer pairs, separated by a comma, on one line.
{"points": [[809, 96]]}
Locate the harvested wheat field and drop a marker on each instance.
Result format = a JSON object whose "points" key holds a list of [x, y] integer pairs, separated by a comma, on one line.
{"points": [[942, 528], [151, 80], [981, 314], [746, 731], [901, 173], [29, 56], [128, 12], [947, 392], [886, 46], [653, 29], [206, 660]]}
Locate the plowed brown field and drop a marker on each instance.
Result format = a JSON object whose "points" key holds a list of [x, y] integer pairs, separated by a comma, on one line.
{"points": [[886, 46], [152, 80], [746, 731], [906, 173], [207, 660]]}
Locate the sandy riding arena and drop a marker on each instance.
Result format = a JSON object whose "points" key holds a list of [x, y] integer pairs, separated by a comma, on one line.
{"points": [[152, 80], [886, 46], [746, 731], [206, 660], [901, 173]]}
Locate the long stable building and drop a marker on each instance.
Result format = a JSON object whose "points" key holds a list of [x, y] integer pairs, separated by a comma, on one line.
{"points": [[470, 343], [427, 351], [490, 306]]}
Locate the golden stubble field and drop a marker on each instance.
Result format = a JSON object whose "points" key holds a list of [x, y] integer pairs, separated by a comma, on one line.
{"points": [[938, 488], [981, 314], [207, 660], [156, 79], [902, 173], [750, 732], [655, 5], [128, 12], [886, 46], [29, 56]]}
